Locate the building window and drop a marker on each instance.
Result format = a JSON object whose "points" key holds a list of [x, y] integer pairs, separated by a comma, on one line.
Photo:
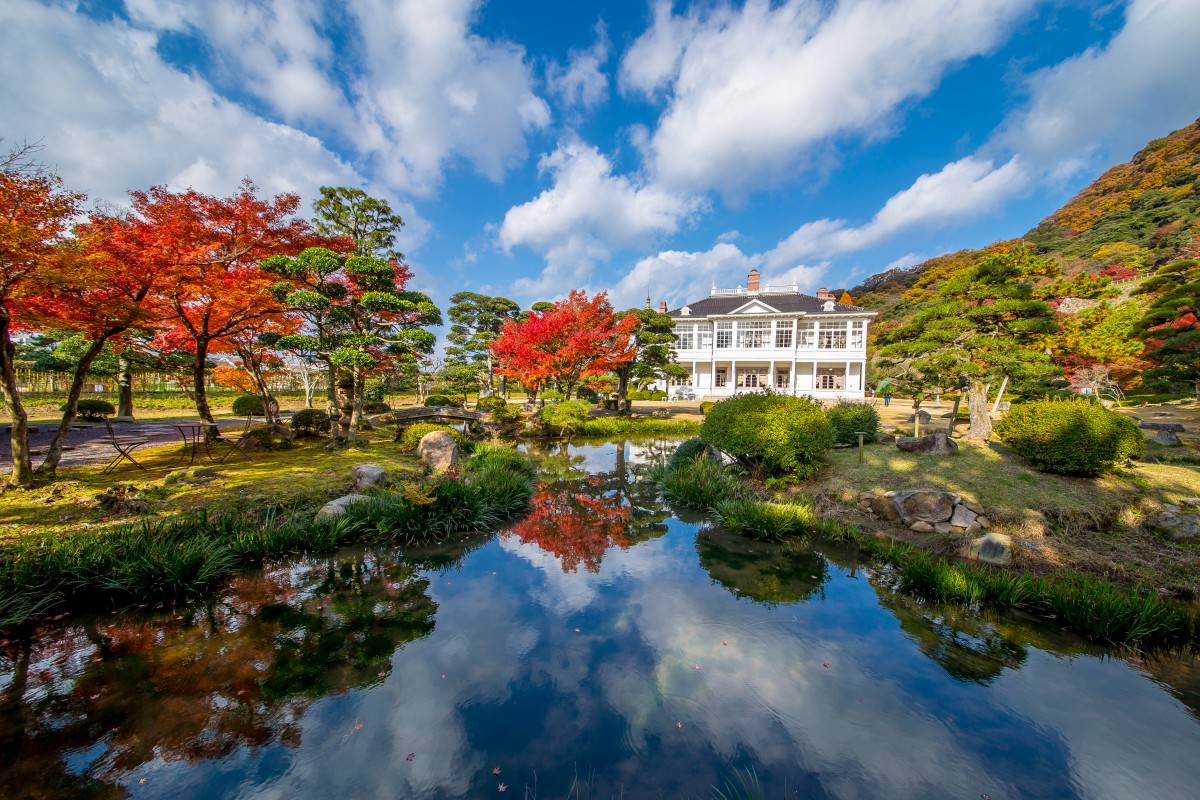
{"points": [[753, 335], [752, 378], [783, 334], [724, 335], [832, 336], [684, 381], [831, 378], [719, 377], [807, 336], [705, 337], [783, 379], [856, 335], [685, 337]]}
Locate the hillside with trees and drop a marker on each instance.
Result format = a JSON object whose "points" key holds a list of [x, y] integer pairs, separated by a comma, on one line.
{"points": [[1122, 283]]}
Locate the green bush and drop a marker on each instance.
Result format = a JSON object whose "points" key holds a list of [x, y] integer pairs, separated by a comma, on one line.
{"points": [[773, 435], [506, 413], [551, 396], [376, 407], [689, 451], [564, 417], [411, 436], [90, 408], [1071, 437], [706, 407], [248, 405], [444, 401], [310, 422], [848, 416], [489, 403]]}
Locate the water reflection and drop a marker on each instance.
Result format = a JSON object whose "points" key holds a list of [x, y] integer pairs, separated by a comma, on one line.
{"points": [[601, 643], [239, 671]]}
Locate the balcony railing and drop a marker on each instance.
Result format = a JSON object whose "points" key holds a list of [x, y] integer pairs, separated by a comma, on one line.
{"points": [[768, 289]]}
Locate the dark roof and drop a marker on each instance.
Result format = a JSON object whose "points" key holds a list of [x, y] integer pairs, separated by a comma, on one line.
{"points": [[790, 303]]}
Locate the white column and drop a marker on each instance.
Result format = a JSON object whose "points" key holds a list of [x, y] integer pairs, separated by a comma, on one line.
{"points": [[771, 375], [733, 365], [846, 382]]}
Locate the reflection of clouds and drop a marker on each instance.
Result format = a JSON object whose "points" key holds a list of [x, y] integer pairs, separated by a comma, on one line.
{"points": [[1127, 738]]}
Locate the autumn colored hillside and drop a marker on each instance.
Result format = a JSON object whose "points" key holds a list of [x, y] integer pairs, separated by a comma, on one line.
{"points": [[1135, 216]]}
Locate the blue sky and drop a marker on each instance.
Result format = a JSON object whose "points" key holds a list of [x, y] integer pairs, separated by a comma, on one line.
{"points": [[534, 147]]}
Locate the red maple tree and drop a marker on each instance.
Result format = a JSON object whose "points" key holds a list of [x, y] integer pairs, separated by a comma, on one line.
{"points": [[577, 338]]}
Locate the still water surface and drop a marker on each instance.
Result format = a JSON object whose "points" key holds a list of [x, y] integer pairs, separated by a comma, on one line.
{"points": [[605, 646]]}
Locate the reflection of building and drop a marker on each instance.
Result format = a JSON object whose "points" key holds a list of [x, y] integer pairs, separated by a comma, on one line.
{"points": [[757, 337]]}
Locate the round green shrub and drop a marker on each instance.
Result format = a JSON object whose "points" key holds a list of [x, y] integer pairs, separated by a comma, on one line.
{"points": [[248, 405], [565, 417], [92, 408], [310, 422], [1070, 437], [411, 436], [772, 435], [489, 403], [506, 413], [636, 395], [688, 452], [706, 407], [376, 407], [849, 416], [551, 396], [657, 396], [442, 400]]}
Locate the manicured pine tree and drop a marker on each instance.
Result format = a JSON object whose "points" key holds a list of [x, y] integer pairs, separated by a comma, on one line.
{"points": [[1172, 324]]}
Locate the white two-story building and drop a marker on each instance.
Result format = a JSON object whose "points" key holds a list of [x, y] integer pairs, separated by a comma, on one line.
{"points": [[748, 339]]}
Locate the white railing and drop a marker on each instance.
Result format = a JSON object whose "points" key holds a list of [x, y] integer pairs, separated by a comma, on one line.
{"points": [[715, 292], [768, 289]]}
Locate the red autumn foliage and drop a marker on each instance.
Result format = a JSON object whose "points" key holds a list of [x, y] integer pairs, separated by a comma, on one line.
{"points": [[577, 338], [575, 527]]}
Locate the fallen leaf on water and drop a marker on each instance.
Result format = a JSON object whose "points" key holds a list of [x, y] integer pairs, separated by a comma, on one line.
{"points": [[695, 666], [814, 577], [986, 796], [381, 674], [577, 630], [495, 770], [410, 756], [502, 788], [94, 697], [358, 726], [141, 780], [825, 664], [443, 676], [725, 643], [678, 724]]}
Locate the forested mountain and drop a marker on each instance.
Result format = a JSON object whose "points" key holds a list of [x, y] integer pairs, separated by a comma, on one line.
{"points": [[1121, 274]]}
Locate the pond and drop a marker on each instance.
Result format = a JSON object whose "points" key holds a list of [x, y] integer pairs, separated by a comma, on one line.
{"points": [[604, 646]]}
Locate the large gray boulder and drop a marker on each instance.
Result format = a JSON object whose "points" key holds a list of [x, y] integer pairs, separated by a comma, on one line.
{"points": [[336, 508], [924, 416], [1177, 526], [438, 450], [367, 476], [935, 444], [924, 505]]}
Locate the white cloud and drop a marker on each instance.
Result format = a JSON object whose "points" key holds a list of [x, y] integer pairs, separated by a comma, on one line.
{"points": [[753, 90], [425, 92], [1109, 100], [582, 82], [587, 213]]}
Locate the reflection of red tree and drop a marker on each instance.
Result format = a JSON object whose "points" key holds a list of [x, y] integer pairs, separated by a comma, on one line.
{"points": [[576, 528]]}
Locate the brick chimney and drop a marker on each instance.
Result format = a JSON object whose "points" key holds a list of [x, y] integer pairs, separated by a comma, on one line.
{"points": [[662, 307], [823, 294], [752, 281]]}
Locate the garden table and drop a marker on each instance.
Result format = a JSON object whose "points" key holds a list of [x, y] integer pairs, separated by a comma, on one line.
{"points": [[195, 436]]}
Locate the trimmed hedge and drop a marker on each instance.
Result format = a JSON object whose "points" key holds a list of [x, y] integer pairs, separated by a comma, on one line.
{"points": [[565, 416], [1070, 437], [849, 416], [91, 408], [443, 401], [773, 435], [376, 407], [489, 403], [411, 436], [311, 422], [707, 406], [687, 452], [248, 405]]}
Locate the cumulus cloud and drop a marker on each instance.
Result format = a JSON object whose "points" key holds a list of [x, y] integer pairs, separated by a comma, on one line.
{"points": [[752, 90], [587, 213], [582, 81]]}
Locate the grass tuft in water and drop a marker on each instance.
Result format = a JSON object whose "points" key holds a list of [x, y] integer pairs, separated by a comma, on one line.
{"points": [[744, 785], [699, 484], [772, 521]]}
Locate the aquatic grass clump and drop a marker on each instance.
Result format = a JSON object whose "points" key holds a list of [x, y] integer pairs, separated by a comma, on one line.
{"points": [[772, 521], [699, 485], [649, 426]]}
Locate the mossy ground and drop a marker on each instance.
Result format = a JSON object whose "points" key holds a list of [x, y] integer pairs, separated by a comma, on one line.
{"points": [[304, 476]]}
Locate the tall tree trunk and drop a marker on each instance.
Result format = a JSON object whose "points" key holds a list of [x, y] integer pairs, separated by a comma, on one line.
{"points": [[999, 395], [124, 387], [623, 376], [54, 453], [22, 472], [954, 414], [359, 395], [344, 398], [199, 386], [981, 422]]}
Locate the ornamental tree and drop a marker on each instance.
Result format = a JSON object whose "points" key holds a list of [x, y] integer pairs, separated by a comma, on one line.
{"points": [[361, 319], [475, 322], [654, 357], [983, 325], [1171, 325], [35, 211], [575, 338]]}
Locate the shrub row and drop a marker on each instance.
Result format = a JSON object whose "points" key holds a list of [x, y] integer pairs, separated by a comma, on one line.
{"points": [[411, 436], [647, 395], [443, 401]]}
